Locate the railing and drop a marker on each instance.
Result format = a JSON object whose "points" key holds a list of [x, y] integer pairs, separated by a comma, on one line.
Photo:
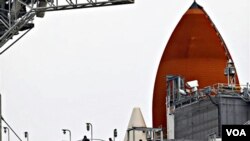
{"points": [[174, 101], [227, 89]]}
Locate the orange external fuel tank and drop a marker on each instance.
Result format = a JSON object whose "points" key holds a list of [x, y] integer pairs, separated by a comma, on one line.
{"points": [[195, 51]]}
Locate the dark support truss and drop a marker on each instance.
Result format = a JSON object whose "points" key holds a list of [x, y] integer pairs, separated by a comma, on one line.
{"points": [[13, 20]]}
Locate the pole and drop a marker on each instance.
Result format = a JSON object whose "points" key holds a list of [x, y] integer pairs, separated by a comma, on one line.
{"points": [[6, 129], [91, 132], [69, 135], [89, 124], [64, 132], [26, 135], [8, 134], [115, 133]]}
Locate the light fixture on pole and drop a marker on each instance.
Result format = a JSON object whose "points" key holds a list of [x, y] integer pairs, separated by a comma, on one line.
{"points": [[115, 133], [6, 129], [26, 135], [89, 125], [67, 130]]}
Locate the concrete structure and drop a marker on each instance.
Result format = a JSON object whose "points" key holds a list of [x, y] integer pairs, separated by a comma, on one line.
{"points": [[204, 119]]}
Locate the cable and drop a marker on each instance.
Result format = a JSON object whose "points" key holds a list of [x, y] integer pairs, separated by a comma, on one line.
{"points": [[11, 128]]}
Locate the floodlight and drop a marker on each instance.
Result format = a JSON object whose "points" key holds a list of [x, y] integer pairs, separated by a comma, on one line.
{"points": [[182, 92], [192, 84]]}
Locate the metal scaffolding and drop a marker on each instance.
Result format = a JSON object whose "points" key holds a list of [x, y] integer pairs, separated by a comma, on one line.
{"points": [[18, 15]]}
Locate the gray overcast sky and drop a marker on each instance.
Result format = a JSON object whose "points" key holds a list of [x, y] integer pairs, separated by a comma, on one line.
{"points": [[95, 65]]}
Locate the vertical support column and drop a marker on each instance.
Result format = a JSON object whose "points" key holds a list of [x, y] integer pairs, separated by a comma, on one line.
{"points": [[128, 135], [219, 117], [133, 134], [178, 87], [154, 135], [161, 135], [170, 125]]}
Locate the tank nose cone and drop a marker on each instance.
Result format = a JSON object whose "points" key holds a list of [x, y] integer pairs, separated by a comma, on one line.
{"points": [[195, 5]]}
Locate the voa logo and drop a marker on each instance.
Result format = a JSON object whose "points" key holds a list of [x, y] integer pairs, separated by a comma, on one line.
{"points": [[236, 132]]}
